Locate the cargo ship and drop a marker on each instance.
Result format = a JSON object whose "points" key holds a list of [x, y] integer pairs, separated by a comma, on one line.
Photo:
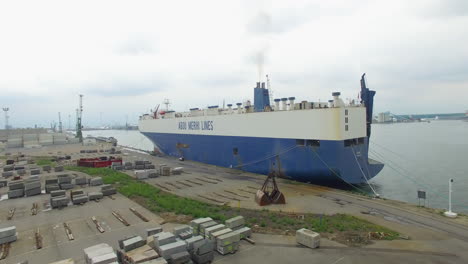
{"points": [[316, 142]]}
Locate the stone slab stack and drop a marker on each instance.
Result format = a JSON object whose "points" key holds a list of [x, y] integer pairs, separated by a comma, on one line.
{"points": [[96, 181], [204, 226], [81, 180], [153, 174], [161, 239], [95, 196], [58, 169], [32, 187], [153, 231], [308, 238], [192, 242], [128, 165], [16, 189], [108, 189], [35, 171], [177, 170], [78, 197], [212, 229], [203, 252], [195, 224], [181, 258], [8, 234], [100, 254], [164, 170], [214, 236], [149, 166], [141, 174], [3, 182], [58, 199], [133, 243], [7, 174], [235, 222], [166, 251], [51, 185], [8, 168], [181, 229], [228, 243], [46, 168], [244, 232], [65, 182]]}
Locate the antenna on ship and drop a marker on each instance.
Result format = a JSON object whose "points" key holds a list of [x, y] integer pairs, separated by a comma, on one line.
{"points": [[270, 91], [79, 115], [60, 123], [6, 109], [167, 103]]}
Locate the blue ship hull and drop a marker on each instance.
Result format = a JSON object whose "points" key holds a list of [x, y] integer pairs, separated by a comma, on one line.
{"points": [[329, 163]]}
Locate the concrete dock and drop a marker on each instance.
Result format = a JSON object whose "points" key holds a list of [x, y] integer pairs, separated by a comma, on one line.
{"points": [[433, 238]]}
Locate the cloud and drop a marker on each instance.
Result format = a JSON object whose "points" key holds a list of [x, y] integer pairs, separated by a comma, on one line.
{"points": [[211, 50], [120, 86]]}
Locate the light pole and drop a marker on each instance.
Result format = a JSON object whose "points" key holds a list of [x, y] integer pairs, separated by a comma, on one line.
{"points": [[449, 213]]}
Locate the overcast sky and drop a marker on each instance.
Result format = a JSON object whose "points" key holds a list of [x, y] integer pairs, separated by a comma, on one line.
{"points": [[127, 56]]}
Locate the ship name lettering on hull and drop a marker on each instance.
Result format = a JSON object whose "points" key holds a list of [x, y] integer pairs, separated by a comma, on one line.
{"points": [[196, 125]]}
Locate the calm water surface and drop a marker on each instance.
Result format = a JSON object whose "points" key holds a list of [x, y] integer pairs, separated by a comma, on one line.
{"points": [[417, 156]]}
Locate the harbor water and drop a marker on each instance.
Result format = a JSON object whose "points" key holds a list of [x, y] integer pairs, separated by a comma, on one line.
{"points": [[417, 156]]}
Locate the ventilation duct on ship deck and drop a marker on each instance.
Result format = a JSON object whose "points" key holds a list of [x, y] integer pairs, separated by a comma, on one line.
{"points": [[291, 103], [277, 104], [285, 104], [337, 102]]}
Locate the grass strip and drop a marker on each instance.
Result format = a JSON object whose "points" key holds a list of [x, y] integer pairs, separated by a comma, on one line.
{"points": [[159, 201]]}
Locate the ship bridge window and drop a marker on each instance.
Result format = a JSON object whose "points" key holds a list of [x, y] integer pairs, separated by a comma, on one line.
{"points": [[353, 142]]}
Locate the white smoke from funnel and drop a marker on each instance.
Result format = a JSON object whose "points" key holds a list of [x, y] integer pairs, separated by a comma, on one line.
{"points": [[260, 29], [260, 59]]}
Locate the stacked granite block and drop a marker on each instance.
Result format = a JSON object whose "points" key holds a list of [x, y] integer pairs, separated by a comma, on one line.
{"points": [[128, 165], [16, 189], [58, 199], [78, 197], [35, 171], [8, 234], [58, 169], [32, 186], [51, 185], [92, 196], [100, 254], [96, 181], [81, 180], [108, 189], [308, 238], [203, 252]]}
